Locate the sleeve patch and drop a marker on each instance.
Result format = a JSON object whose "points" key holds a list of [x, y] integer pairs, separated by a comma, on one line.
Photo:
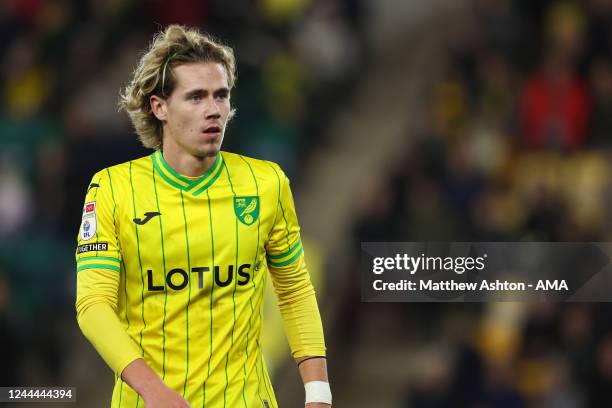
{"points": [[89, 224]]}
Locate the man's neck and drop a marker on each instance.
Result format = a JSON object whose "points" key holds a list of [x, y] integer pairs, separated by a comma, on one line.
{"points": [[185, 163]]}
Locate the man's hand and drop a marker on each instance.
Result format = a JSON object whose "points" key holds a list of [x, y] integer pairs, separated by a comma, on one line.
{"points": [[317, 405], [154, 392]]}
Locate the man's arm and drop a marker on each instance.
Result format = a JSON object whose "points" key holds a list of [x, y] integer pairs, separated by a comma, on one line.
{"points": [[296, 298], [96, 294], [302, 320], [314, 369], [98, 261]]}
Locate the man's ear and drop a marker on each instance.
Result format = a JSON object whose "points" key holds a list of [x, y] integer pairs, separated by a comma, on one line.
{"points": [[158, 107]]}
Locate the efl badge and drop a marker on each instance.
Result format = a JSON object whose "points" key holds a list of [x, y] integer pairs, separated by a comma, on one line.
{"points": [[246, 209], [89, 224]]}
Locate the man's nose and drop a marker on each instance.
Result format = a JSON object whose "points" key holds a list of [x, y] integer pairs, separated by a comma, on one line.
{"points": [[212, 109]]}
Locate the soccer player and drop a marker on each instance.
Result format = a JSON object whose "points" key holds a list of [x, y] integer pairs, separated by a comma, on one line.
{"points": [[174, 248]]}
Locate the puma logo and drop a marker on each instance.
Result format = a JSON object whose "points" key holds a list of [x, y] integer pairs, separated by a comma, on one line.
{"points": [[147, 218]]}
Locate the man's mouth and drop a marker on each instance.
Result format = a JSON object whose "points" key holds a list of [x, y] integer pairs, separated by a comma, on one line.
{"points": [[212, 130]]}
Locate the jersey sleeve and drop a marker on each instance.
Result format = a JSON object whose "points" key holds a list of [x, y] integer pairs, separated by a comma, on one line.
{"points": [[98, 246], [290, 278], [98, 259]]}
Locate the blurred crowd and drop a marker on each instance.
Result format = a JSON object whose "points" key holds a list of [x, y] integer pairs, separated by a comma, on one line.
{"points": [[62, 65], [517, 147]]}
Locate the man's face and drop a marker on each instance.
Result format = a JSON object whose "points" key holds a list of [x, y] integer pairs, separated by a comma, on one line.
{"points": [[196, 113]]}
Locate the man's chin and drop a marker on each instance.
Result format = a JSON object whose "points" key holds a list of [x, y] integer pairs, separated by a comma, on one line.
{"points": [[209, 150]]}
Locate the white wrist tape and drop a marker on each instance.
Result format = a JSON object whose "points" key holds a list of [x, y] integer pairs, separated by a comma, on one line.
{"points": [[318, 391]]}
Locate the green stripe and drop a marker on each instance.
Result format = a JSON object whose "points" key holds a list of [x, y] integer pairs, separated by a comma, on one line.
{"points": [[295, 247], [128, 328], [212, 286], [259, 306], [288, 261], [110, 182], [280, 202], [97, 258], [127, 319], [164, 175], [211, 181], [189, 299], [141, 276], [263, 283], [260, 353], [233, 294], [98, 266], [263, 372], [161, 234], [286, 224], [250, 300], [142, 302]]}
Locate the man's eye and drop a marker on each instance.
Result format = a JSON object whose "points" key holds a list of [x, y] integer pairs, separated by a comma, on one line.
{"points": [[196, 97]]}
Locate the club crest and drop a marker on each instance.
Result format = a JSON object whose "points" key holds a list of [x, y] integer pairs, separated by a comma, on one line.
{"points": [[246, 209]]}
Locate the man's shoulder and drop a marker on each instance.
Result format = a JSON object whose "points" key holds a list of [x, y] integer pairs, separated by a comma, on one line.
{"points": [[117, 173], [261, 169]]}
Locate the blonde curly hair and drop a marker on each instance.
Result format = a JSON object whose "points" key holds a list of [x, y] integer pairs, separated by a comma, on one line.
{"points": [[174, 46]]}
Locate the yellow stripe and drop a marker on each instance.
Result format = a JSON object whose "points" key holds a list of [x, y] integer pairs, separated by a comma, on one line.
{"points": [[98, 258]]}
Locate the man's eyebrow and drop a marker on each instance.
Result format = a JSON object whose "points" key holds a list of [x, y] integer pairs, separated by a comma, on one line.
{"points": [[222, 91], [201, 91], [198, 91]]}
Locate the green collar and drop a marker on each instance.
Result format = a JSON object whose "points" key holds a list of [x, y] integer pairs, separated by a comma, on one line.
{"points": [[196, 186]]}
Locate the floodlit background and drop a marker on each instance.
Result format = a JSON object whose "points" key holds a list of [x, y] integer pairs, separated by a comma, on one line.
{"points": [[405, 120]]}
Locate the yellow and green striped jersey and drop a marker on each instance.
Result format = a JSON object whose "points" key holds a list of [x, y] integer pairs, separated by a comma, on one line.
{"points": [[184, 261]]}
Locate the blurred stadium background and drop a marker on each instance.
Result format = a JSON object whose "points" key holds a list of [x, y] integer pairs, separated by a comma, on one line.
{"points": [[396, 120]]}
